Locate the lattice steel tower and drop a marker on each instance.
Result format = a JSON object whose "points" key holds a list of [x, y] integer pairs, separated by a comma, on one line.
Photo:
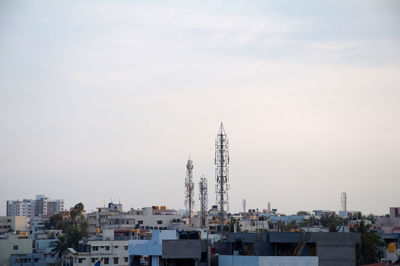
{"points": [[222, 173], [189, 192], [203, 197]]}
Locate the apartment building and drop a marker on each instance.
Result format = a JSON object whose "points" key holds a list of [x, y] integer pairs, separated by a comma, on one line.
{"points": [[12, 224], [34, 207], [101, 251], [14, 244], [149, 218]]}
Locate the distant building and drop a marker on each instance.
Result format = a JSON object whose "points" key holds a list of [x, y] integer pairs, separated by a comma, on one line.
{"points": [[12, 224], [391, 224], [319, 213], [149, 218], [31, 208], [24, 207]]}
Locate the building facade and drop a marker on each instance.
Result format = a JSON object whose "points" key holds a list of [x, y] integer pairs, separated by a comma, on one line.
{"points": [[12, 245], [31, 208], [12, 224]]}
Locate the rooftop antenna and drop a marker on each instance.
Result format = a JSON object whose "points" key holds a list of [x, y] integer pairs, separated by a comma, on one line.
{"points": [[203, 197], [189, 192], [222, 173]]}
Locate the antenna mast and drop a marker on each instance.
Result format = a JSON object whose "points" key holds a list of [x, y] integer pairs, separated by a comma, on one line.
{"points": [[222, 173], [203, 197], [189, 192]]}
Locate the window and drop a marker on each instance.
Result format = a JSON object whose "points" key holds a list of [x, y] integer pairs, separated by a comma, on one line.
{"points": [[126, 259], [115, 246], [15, 247], [36, 259], [126, 247], [115, 260], [106, 260], [81, 260], [95, 248], [94, 260], [107, 247], [140, 222], [159, 222]]}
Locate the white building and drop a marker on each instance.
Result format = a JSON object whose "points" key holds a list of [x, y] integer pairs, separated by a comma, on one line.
{"points": [[30, 208], [24, 207], [107, 252], [150, 218]]}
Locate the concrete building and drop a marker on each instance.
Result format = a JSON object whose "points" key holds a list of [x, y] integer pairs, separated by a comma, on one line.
{"points": [[24, 207], [150, 218], [270, 261], [46, 206], [38, 230], [12, 224], [106, 252], [31, 208], [14, 244], [331, 248], [31, 259], [98, 220], [391, 224], [168, 247]]}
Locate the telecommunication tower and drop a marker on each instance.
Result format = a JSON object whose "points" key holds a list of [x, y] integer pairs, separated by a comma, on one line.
{"points": [[203, 197], [244, 205], [344, 201], [189, 192], [222, 173]]}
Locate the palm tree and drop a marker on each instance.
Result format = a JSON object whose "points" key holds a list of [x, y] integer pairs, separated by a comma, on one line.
{"points": [[367, 251], [60, 246]]}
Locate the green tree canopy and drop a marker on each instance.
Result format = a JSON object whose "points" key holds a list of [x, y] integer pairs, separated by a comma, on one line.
{"points": [[73, 225], [368, 251]]}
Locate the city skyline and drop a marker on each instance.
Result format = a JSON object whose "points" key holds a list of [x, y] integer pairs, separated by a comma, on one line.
{"points": [[103, 101]]}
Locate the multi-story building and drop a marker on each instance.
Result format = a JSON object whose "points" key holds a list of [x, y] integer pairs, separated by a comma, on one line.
{"points": [[12, 224], [46, 206], [391, 224], [14, 244], [150, 218], [31, 208], [24, 207], [104, 250]]}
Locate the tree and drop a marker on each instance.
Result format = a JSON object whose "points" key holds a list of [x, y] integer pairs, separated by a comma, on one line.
{"points": [[367, 252], [55, 222], [60, 246], [73, 225], [232, 223]]}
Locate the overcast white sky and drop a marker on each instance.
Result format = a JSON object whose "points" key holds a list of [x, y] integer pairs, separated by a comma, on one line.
{"points": [[105, 100]]}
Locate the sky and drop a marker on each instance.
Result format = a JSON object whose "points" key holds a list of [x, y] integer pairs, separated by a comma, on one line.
{"points": [[105, 101]]}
